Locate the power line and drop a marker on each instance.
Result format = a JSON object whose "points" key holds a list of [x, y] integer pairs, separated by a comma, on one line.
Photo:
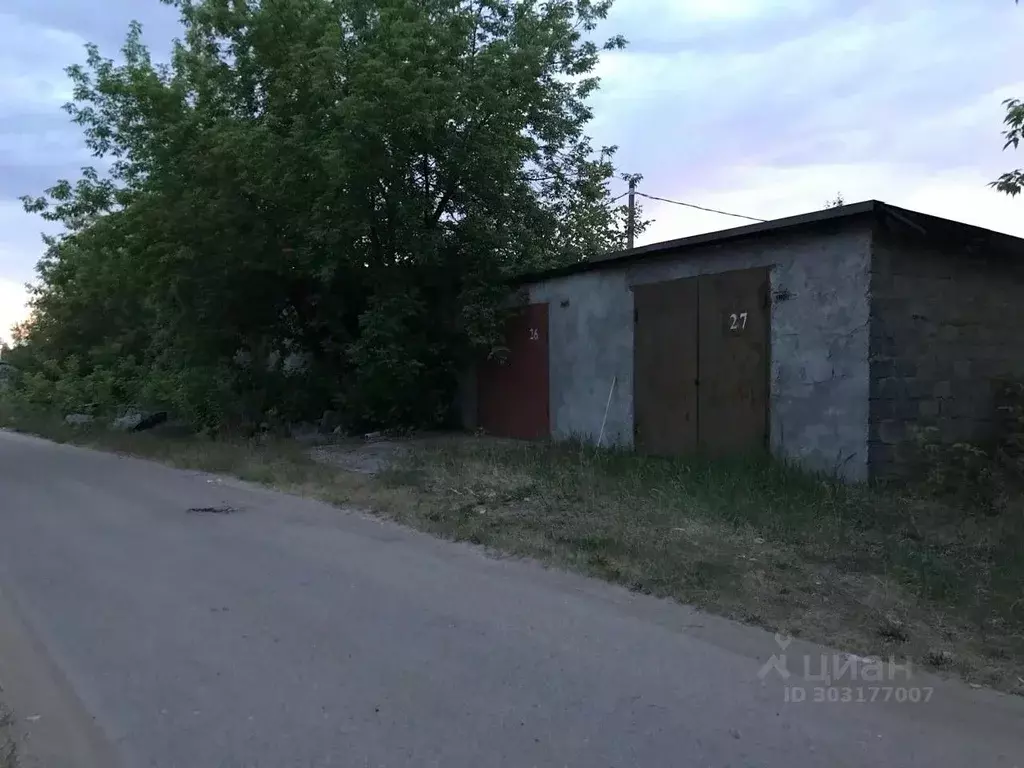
{"points": [[699, 207]]}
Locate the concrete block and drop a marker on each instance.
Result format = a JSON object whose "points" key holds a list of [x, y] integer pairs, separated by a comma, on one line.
{"points": [[906, 410], [883, 409], [815, 370], [942, 389], [890, 388], [930, 367], [949, 333], [884, 343], [892, 431], [881, 455], [965, 429], [895, 410], [928, 409], [900, 388], [966, 408], [882, 367], [905, 366], [819, 341]]}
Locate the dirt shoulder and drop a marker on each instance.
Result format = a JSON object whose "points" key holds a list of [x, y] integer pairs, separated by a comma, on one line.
{"points": [[42, 721], [8, 739], [873, 571]]}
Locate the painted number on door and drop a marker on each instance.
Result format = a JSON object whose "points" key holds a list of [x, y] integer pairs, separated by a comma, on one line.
{"points": [[738, 322], [534, 334]]}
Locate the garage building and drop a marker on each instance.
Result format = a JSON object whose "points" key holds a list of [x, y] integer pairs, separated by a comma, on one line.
{"points": [[826, 338]]}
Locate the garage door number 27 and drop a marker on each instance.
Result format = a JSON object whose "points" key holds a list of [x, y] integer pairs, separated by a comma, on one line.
{"points": [[738, 322]]}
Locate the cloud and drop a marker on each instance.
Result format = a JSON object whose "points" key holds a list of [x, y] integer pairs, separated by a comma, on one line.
{"points": [[776, 192], [20, 248], [717, 26], [13, 307], [37, 143], [882, 96], [32, 61], [763, 107], [103, 22], [19, 236]]}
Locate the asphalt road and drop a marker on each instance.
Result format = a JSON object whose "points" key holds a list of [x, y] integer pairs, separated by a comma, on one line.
{"points": [[293, 634]]}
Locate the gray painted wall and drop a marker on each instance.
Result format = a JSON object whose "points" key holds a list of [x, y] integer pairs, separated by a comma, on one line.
{"points": [[945, 327], [819, 342]]}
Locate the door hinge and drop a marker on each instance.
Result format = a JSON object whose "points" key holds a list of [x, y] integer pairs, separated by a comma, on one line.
{"points": [[636, 316]]}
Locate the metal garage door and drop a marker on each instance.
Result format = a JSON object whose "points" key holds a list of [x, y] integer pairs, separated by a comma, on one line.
{"points": [[733, 361], [665, 367], [512, 393], [700, 368]]}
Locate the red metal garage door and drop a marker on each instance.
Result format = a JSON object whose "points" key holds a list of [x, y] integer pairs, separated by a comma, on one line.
{"points": [[513, 392]]}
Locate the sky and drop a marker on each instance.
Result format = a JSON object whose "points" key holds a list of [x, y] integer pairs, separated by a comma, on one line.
{"points": [[766, 108]]}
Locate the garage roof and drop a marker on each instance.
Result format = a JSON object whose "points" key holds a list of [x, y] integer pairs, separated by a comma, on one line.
{"points": [[946, 231]]}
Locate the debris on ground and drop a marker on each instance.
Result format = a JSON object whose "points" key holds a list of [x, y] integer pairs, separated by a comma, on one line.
{"points": [[138, 420], [368, 457]]}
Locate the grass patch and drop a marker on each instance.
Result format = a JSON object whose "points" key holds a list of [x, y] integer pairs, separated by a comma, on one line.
{"points": [[870, 570], [270, 461]]}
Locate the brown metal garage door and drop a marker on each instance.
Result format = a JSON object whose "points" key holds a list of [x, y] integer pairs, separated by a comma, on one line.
{"points": [[665, 367], [512, 392], [733, 361], [700, 368]]}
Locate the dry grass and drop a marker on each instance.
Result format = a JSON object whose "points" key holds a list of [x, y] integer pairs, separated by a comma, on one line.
{"points": [[282, 464], [867, 570]]}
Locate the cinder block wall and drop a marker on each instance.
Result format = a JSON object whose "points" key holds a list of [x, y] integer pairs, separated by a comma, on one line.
{"points": [[945, 325], [819, 341]]}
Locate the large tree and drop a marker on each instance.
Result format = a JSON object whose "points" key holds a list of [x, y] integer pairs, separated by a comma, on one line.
{"points": [[352, 182]]}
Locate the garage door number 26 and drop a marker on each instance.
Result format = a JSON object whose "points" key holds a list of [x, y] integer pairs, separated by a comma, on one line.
{"points": [[738, 322], [534, 334]]}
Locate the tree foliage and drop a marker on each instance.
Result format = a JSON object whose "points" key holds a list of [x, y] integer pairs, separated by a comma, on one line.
{"points": [[1012, 183], [317, 202]]}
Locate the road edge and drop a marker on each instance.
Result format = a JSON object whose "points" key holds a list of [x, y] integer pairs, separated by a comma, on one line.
{"points": [[52, 726]]}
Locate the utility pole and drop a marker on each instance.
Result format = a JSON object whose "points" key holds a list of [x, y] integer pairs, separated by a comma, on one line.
{"points": [[631, 220]]}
